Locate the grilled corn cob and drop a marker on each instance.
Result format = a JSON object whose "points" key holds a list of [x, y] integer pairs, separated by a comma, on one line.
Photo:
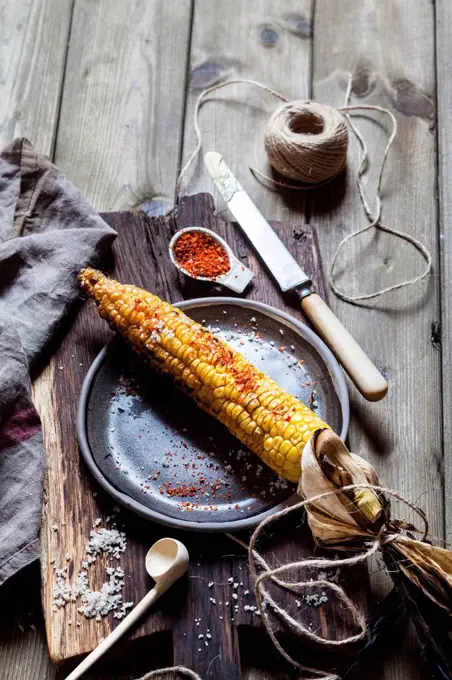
{"points": [[269, 421]]}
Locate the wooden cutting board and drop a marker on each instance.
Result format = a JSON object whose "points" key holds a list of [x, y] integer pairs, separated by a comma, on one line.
{"points": [[73, 501]]}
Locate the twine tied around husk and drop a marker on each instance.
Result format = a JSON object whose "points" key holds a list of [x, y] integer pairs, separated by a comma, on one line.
{"points": [[348, 510], [307, 142]]}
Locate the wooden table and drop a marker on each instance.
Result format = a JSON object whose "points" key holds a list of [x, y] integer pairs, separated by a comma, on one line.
{"points": [[107, 88]]}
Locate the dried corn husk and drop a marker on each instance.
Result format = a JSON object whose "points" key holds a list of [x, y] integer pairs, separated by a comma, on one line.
{"points": [[328, 466], [423, 575], [421, 572]]}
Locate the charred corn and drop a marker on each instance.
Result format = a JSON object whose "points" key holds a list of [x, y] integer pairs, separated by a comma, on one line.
{"points": [[269, 421]]}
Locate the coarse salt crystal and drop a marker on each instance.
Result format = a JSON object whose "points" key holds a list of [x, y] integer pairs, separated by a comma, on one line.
{"points": [[316, 599]]}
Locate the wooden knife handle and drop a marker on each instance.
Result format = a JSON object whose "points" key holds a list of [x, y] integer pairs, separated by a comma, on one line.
{"points": [[355, 361]]}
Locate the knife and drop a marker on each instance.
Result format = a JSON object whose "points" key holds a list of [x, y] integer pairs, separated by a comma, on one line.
{"points": [[290, 276]]}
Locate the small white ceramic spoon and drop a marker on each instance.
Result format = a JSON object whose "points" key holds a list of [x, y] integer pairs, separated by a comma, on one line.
{"points": [[166, 561], [236, 279]]}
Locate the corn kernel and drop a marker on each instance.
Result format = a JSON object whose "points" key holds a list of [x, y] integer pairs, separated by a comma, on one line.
{"points": [[285, 447], [268, 443], [236, 411], [277, 441], [251, 428], [293, 454], [245, 422], [267, 422], [266, 399]]}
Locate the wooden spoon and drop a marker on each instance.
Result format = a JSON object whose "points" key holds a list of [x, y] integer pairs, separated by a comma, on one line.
{"points": [[166, 561]]}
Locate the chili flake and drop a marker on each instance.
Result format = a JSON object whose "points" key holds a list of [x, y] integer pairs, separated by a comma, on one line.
{"points": [[201, 255]]}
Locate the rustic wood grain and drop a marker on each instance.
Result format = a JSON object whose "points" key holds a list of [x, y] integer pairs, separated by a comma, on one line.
{"points": [[392, 41], [443, 332], [116, 111], [23, 648], [72, 507], [391, 58], [268, 41], [33, 40], [120, 124]]}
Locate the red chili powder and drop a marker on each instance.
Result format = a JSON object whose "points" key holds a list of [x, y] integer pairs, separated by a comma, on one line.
{"points": [[201, 255]]}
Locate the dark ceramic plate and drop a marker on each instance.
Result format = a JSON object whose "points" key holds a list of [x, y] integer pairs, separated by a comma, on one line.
{"points": [[152, 449]]}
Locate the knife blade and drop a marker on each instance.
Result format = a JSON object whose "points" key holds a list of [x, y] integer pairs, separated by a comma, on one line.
{"points": [[290, 276], [283, 266]]}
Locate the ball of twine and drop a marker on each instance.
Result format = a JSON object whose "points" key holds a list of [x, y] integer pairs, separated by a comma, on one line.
{"points": [[307, 141]]}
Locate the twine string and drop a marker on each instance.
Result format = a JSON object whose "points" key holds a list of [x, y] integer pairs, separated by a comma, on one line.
{"points": [[316, 159], [266, 573], [265, 601], [199, 102], [173, 669], [374, 219]]}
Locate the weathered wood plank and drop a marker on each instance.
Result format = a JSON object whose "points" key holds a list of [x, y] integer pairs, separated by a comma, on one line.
{"points": [[268, 41], [391, 57], [444, 98], [23, 649], [33, 42], [120, 63], [120, 126]]}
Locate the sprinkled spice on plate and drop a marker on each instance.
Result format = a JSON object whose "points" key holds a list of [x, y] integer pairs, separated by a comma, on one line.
{"points": [[201, 255]]}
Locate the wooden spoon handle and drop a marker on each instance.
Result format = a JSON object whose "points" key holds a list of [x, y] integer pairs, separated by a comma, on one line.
{"points": [[118, 632], [355, 361]]}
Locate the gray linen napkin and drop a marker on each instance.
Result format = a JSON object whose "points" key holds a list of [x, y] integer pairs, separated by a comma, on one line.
{"points": [[48, 232]]}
